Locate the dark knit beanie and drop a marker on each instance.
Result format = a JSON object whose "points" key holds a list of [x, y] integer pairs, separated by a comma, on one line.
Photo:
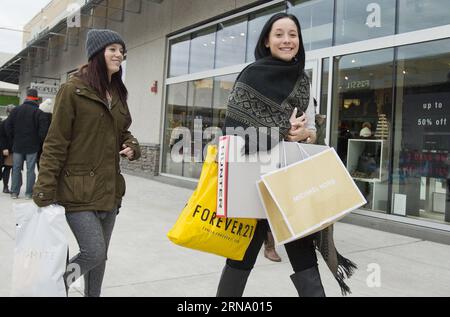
{"points": [[98, 39]]}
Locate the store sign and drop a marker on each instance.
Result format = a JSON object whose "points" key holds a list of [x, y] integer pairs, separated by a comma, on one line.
{"points": [[358, 84], [416, 163], [44, 90], [426, 121]]}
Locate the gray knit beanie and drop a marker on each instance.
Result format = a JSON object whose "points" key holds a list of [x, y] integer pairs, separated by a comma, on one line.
{"points": [[98, 39]]}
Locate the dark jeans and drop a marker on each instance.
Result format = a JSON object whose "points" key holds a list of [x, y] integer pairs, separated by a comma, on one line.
{"points": [[301, 253], [93, 230], [18, 160]]}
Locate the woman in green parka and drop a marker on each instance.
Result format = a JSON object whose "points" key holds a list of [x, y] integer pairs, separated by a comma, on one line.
{"points": [[79, 167]]}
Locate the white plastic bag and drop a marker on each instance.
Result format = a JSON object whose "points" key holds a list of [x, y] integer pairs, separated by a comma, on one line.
{"points": [[41, 251]]}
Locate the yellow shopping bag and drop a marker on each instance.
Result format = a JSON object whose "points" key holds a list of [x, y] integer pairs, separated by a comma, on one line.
{"points": [[199, 228]]}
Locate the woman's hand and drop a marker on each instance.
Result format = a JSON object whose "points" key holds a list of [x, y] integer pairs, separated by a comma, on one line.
{"points": [[297, 122], [299, 134], [127, 151], [298, 131]]}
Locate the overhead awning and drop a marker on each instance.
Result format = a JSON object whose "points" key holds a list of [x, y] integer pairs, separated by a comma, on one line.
{"points": [[10, 71]]}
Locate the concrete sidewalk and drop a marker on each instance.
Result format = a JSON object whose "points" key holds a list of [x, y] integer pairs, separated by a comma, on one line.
{"points": [[143, 262]]}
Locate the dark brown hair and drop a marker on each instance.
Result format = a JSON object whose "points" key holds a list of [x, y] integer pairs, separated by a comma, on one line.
{"points": [[95, 74], [262, 51]]}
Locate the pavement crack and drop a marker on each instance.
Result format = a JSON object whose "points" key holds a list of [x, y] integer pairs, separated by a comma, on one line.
{"points": [[7, 233], [386, 247]]}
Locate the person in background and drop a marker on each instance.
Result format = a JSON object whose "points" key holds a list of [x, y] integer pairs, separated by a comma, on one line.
{"points": [[46, 116], [26, 130], [321, 126], [6, 154]]}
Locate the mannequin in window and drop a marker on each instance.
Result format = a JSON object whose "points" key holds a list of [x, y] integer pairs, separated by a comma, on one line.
{"points": [[366, 131]]}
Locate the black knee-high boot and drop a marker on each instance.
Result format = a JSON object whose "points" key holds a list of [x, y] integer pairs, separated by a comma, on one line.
{"points": [[232, 282], [308, 283]]}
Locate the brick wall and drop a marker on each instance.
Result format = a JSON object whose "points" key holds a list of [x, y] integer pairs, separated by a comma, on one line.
{"points": [[147, 166]]}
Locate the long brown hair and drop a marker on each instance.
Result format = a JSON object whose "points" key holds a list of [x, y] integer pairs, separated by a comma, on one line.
{"points": [[95, 74]]}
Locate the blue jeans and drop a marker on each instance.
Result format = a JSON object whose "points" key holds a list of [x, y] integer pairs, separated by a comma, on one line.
{"points": [[16, 182]]}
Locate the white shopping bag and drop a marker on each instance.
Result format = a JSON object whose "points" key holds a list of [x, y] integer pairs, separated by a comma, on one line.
{"points": [[237, 195], [41, 251]]}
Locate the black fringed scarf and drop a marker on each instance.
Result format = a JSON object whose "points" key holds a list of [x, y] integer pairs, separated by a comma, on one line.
{"points": [[265, 95]]}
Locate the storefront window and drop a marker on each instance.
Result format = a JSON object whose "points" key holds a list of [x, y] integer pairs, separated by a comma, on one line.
{"points": [[256, 22], [422, 132], [179, 56], [316, 21], [359, 20], [175, 120], [321, 113], [222, 89], [203, 45], [231, 43], [199, 118], [421, 14], [324, 86], [361, 120]]}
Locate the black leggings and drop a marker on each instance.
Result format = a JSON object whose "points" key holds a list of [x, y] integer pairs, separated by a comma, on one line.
{"points": [[301, 253]]}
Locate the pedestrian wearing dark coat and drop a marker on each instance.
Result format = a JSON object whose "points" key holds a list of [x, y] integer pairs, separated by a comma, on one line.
{"points": [[79, 166], [26, 130], [6, 161]]}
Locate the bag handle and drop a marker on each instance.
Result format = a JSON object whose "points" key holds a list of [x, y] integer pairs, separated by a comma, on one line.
{"points": [[303, 153]]}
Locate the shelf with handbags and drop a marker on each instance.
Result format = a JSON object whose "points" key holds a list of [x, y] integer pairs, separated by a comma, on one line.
{"points": [[365, 161]]}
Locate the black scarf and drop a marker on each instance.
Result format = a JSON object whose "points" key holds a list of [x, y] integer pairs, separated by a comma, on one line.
{"points": [[265, 95]]}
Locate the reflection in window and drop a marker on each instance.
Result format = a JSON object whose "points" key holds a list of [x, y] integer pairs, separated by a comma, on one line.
{"points": [[361, 127], [255, 25], [316, 21], [179, 56], [321, 114], [422, 132], [231, 43], [359, 20], [203, 45], [324, 86], [175, 120], [222, 88], [421, 14], [199, 118]]}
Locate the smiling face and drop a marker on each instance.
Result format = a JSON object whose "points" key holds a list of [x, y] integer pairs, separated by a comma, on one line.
{"points": [[283, 40], [113, 58]]}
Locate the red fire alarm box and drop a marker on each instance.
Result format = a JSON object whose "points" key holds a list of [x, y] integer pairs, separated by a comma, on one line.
{"points": [[154, 87]]}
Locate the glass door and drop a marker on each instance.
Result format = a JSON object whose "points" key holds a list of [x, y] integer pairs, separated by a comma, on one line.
{"points": [[311, 69]]}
